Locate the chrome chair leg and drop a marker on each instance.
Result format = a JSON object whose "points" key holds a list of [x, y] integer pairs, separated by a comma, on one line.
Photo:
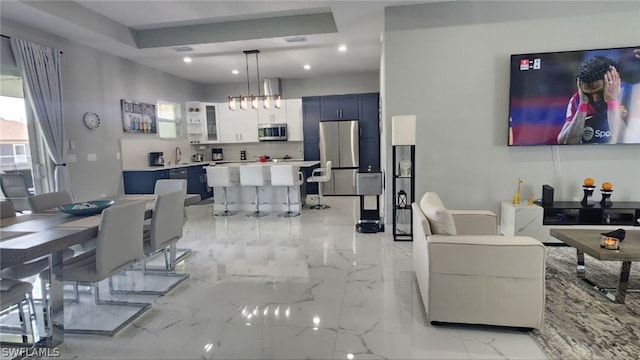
{"points": [[226, 211], [289, 213]]}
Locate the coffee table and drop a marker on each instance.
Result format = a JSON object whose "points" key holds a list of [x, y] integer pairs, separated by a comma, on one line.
{"points": [[588, 241]]}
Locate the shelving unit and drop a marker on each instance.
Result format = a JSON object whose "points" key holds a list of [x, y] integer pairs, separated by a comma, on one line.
{"points": [[195, 123], [404, 159]]}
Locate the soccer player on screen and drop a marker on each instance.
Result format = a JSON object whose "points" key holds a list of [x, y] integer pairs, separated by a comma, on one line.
{"points": [[594, 114]]}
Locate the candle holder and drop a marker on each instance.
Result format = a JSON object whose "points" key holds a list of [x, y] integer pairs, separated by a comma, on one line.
{"points": [[402, 199], [588, 191], [606, 198], [609, 243]]}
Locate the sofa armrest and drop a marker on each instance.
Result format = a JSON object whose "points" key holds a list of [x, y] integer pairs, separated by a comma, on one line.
{"points": [[475, 222]]}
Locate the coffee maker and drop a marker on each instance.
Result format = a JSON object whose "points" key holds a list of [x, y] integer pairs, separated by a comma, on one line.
{"points": [[216, 154], [156, 159]]}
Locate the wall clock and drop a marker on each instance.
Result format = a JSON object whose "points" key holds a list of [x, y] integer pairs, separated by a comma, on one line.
{"points": [[91, 120]]}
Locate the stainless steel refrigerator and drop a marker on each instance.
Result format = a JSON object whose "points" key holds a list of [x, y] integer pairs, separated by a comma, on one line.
{"points": [[340, 143]]}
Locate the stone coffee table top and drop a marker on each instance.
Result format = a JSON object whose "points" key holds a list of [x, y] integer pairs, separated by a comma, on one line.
{"points": [[588, 241]]}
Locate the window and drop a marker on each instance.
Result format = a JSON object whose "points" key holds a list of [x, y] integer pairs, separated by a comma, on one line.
{"points": [[169, 120]]}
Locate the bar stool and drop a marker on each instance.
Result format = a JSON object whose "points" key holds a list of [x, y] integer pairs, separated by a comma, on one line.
{"points": [[286, 175], [320, 175], [220, 176], [253, 175]]}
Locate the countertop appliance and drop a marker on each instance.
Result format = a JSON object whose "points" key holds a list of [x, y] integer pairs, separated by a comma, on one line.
{"points": [[197, 157], [156, 158], [340, 143], [272, 132], [216, 154]]}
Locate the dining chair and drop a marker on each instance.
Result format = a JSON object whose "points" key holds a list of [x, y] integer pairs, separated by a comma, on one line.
{"points": [[37, 266], [15, 189], [117, 247], [165, 229], [48, 201], [14, 294], [164, 186], [6, 209]]}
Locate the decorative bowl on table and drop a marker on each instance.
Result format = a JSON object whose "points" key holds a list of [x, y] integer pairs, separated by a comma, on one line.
{"points": [[86, 208]]}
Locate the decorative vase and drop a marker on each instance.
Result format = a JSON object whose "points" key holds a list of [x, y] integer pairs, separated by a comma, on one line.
{"points": [[606, 198], [588, 191]]}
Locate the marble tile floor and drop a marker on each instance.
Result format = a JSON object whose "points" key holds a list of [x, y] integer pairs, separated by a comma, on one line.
{"points": [[293, 288]]}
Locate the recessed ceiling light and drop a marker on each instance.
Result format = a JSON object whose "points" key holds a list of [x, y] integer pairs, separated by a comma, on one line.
{"points": [[235, 72], [342, 48], [187, 59], [307, 67]]}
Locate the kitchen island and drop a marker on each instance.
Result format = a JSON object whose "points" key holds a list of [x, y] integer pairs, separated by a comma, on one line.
{"points": [[273, 197]]}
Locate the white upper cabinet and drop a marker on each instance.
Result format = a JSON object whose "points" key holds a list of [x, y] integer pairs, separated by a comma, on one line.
{"points": [[294, 119], [273, 115], [239, 126]]}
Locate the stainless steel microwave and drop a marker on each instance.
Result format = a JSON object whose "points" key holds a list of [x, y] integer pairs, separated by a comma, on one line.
{"points": [[271, 132]]}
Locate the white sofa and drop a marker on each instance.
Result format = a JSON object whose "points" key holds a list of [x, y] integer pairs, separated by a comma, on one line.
{"points": [[468, 274]]}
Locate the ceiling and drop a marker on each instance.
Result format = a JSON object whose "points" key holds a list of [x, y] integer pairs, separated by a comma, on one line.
{"points": [[148, 32]]}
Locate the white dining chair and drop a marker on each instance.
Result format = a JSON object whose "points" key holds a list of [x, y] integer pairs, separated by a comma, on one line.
{"points": [[164, 186], [221, 177], [165, 230], [320, 176], [253, 175], [48, 201], [118, 246], [14, 295], [289, 176]]}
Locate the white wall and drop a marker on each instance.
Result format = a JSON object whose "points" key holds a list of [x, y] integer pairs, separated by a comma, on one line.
{"points": [[448, 63], [95, 81]]}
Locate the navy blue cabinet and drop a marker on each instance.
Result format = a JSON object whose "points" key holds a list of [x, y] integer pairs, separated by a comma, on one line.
{"points": [[339, 107], [197, 182], [369, 118], [310, 122], [142, 182]]}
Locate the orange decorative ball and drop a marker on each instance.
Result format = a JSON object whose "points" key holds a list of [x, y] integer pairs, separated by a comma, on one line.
{"points": [[607, 186], [589, 182]]}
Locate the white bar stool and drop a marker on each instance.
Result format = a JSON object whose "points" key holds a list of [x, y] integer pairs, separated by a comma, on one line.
{"points": [[220, 176], [320, 175], [253, 175], [286, 175]]}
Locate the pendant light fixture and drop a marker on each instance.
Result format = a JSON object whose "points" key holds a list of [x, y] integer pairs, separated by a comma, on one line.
{"points": [[250, 98]]}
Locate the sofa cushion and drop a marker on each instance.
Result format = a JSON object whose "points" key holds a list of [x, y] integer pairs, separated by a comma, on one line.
{"points": [[440, 219]]}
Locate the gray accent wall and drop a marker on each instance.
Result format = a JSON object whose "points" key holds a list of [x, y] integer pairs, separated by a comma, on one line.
{"points": [[448, 63], [95, 81]]}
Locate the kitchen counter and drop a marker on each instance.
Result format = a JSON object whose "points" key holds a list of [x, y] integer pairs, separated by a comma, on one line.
{"points": [[294, 162], [166, 167]]}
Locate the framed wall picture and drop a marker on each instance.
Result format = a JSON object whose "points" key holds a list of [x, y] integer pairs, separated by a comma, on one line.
{"points": [[138, 117]]}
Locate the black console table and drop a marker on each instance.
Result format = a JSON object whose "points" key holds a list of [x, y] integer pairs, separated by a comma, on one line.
{"points": [[621, 213]]}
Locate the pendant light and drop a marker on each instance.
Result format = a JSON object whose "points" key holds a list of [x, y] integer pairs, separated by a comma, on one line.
{"points": [[254, 100]]}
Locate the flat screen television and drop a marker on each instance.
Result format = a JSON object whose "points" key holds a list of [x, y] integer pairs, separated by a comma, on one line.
{"points": [[541, 89]]}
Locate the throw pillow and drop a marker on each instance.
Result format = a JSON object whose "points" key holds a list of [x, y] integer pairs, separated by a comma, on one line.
{"points": [[440, 220]]}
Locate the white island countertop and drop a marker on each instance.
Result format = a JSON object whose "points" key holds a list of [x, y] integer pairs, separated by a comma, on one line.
{"points": [[298, 163]]}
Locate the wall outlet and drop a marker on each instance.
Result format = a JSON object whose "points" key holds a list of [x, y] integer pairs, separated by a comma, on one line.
{"points": [[71, 158], [118, 155]]}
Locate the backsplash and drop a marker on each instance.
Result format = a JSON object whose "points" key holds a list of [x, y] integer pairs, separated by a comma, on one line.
{"points": [[135, 151], [275, 149]]}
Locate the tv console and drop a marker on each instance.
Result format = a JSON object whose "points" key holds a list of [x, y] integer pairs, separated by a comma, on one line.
{"points": [[536, 220]]}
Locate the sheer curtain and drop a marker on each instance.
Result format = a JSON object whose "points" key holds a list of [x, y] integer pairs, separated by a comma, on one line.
{"points": [[40, 68]]}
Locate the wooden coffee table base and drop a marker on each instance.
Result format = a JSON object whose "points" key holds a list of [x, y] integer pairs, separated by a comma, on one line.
{"points": [[617, 295]]}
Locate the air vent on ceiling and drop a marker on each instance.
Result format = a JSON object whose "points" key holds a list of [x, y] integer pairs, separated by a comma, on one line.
{"points": [[296, 39], [183, 48]]}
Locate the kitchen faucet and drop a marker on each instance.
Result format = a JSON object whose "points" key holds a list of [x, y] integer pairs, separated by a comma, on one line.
{"points": [[178, 154]]}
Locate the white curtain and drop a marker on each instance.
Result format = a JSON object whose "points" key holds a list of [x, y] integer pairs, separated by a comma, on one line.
{"points": [[40, 68]]}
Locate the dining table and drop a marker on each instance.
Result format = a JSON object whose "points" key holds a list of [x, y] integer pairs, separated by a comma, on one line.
{"points": [[30, 236]]}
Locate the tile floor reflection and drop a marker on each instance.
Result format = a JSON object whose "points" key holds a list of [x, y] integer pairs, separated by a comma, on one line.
{"points": [[294, 288]]}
